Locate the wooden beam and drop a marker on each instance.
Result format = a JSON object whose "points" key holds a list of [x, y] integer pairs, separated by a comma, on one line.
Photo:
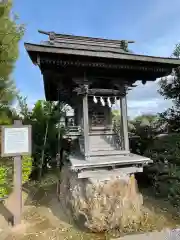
{"points": [[99, 91], [102, 91]]}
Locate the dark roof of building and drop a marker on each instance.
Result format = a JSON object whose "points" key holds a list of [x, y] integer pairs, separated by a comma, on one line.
{"points": [[73, 49], [93, 47], [100, 58]]}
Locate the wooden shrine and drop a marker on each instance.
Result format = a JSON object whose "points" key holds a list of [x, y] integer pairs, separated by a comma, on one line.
{"points": [[90, 74]]}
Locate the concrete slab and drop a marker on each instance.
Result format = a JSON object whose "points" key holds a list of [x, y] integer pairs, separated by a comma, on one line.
{"points": [[108, 174], [78, 161]]}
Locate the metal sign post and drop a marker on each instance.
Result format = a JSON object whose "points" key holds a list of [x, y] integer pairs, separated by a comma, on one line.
{"points": [[16, 142]]}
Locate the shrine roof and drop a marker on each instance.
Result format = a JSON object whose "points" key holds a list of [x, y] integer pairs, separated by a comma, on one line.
{"points": [[84, 43], [91, 47], [66, 60]]}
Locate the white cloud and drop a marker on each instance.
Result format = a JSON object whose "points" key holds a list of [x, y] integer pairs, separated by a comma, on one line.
{"points": [[158, 31], [153, 106], [145, 99]]}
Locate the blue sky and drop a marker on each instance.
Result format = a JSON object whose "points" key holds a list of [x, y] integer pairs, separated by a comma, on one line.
{"points": [[153, 24]]}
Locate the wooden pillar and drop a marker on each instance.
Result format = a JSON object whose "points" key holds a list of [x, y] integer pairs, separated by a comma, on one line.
{"points": [[86, 122], [124, 123], [76, 116], [17, 189], [80, 110], [17, 184]]}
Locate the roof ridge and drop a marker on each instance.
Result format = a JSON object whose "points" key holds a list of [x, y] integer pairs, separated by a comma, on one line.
{"points": [[57, 39], [53, 35]]}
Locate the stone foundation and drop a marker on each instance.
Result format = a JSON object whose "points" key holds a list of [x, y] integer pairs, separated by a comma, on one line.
{"points": [[103, 205]]}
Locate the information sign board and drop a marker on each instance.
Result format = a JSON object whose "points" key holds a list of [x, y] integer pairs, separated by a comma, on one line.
{"points": [[15, 140]]}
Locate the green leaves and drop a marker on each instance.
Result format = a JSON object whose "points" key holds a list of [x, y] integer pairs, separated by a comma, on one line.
{"points": [[176, 52], [6, 173], [146, 127], [26, 168], [10, 35], [44, 118], [165, 171], [170, 89]]}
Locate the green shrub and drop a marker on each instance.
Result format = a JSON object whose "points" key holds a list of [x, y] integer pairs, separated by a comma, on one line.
{"points": [[165, 171], [3, 184], [166, 148], [26, 168], [6, 173]]}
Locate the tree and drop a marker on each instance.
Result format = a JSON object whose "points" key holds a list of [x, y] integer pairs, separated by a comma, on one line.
{"points": [[146, 119], [116, 115], [145, 128], [170, 89], [43, 118], [10, 35]]}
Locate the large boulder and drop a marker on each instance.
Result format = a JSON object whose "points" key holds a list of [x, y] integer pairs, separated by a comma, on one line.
{"points": [[102, 205]]}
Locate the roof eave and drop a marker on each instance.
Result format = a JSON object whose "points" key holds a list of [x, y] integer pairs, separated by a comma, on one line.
{"points": [[35, 48]]}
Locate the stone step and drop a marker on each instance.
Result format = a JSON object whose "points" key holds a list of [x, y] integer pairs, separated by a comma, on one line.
{"points": [[99, 144], [100, 133], [99, 137], [98, 140], [108, 153], [102, 147]]}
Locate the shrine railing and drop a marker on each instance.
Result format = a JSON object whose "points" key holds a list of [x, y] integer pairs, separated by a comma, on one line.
{"points": [[117, 132]]}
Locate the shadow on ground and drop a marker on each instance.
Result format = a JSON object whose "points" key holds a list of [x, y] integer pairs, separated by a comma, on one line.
{"points": [[44, 218]]}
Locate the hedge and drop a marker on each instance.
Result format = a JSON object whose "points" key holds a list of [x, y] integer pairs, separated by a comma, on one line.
{"points": [[6, 173], [165, 171]]}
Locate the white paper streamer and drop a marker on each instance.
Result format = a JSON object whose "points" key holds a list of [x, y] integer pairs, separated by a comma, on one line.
{"points": [[115, 101], [95, 99], [109, 102], [102, 101]]}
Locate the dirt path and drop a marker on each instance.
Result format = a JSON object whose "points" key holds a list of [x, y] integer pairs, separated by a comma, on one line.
{"points": [[44, 219]]}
